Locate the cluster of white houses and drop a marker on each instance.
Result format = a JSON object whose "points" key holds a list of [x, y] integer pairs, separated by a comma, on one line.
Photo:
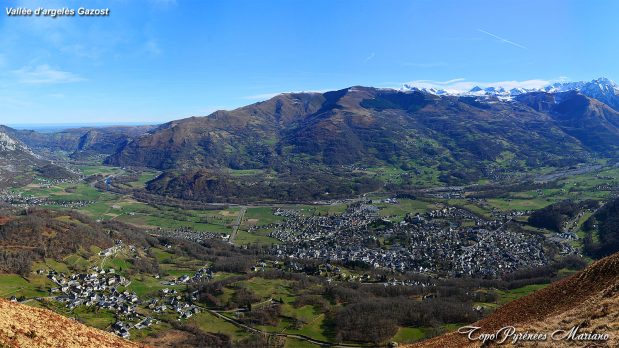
{"points": [[448, 240], [103, 289]]}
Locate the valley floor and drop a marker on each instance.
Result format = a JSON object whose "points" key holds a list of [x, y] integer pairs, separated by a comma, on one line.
{"points": [[297, 273]]}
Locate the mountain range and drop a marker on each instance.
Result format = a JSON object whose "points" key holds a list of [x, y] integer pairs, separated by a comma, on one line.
{"points": [[601, 89], [335, 142], [457, 138], [19, 164], [79, 143]]}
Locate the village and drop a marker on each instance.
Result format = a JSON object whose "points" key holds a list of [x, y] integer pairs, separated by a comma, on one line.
{"points": [[23, 201], [449, 241], [105, 289]]}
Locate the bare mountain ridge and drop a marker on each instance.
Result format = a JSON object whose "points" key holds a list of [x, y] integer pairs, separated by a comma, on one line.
{"points": [[22, 326], [589, 299]]}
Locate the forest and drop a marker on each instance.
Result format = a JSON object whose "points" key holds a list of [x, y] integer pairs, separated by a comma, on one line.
{"points": [[602, 231]]}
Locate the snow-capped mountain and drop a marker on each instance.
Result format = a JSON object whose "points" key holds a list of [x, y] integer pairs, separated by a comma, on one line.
{"points": [[435, 91], [601, 89], [496, 91], [559, 87]]}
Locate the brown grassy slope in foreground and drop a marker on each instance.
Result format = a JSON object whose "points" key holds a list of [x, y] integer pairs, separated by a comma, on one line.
{"points": [[589, 298], [28, 327]]}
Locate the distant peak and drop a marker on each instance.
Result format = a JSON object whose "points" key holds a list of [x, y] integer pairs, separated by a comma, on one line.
{"points": [[600, 88], [605, 81]]}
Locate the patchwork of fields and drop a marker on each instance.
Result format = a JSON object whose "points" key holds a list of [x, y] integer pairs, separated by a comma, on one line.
{"points": [[295, 318]]}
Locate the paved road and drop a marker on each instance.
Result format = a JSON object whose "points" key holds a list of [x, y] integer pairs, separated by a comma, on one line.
{"points": [[237, 224]]}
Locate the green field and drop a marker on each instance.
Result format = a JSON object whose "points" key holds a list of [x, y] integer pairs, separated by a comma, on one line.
{"points": [[398, 211], [108, 205], [211, 323], [409, 335], [260, 216], [514, 294], [257, 237], [14, 285], [312, 321]]}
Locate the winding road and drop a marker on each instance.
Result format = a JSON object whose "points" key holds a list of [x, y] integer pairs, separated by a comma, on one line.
{"points": [[295, 336]]}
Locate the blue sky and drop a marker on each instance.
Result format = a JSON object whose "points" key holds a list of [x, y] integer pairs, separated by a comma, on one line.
{"points": [[153, 61]]}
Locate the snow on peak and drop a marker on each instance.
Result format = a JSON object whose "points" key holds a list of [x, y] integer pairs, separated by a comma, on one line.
{"points": [[505, 89], [601, 88]]}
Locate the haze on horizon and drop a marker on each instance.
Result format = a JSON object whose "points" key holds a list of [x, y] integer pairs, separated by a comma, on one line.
{"points": [[153, 61]]}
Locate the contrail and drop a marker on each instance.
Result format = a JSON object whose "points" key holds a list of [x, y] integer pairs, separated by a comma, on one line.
{"points": [[370, 57], [502, 39]]}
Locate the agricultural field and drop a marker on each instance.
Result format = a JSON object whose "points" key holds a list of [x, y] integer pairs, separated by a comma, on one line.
{"points": [[279, 299], [105, 205], [510, 295], [397, 212]]}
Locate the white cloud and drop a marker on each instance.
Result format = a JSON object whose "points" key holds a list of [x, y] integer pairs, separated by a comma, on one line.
{"points": [[44, 75], [462, 85]]}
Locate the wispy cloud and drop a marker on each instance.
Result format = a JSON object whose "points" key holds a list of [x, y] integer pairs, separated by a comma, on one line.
{"points": [[370, 57], [501, 39], [44, 75], [463, 85]]}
